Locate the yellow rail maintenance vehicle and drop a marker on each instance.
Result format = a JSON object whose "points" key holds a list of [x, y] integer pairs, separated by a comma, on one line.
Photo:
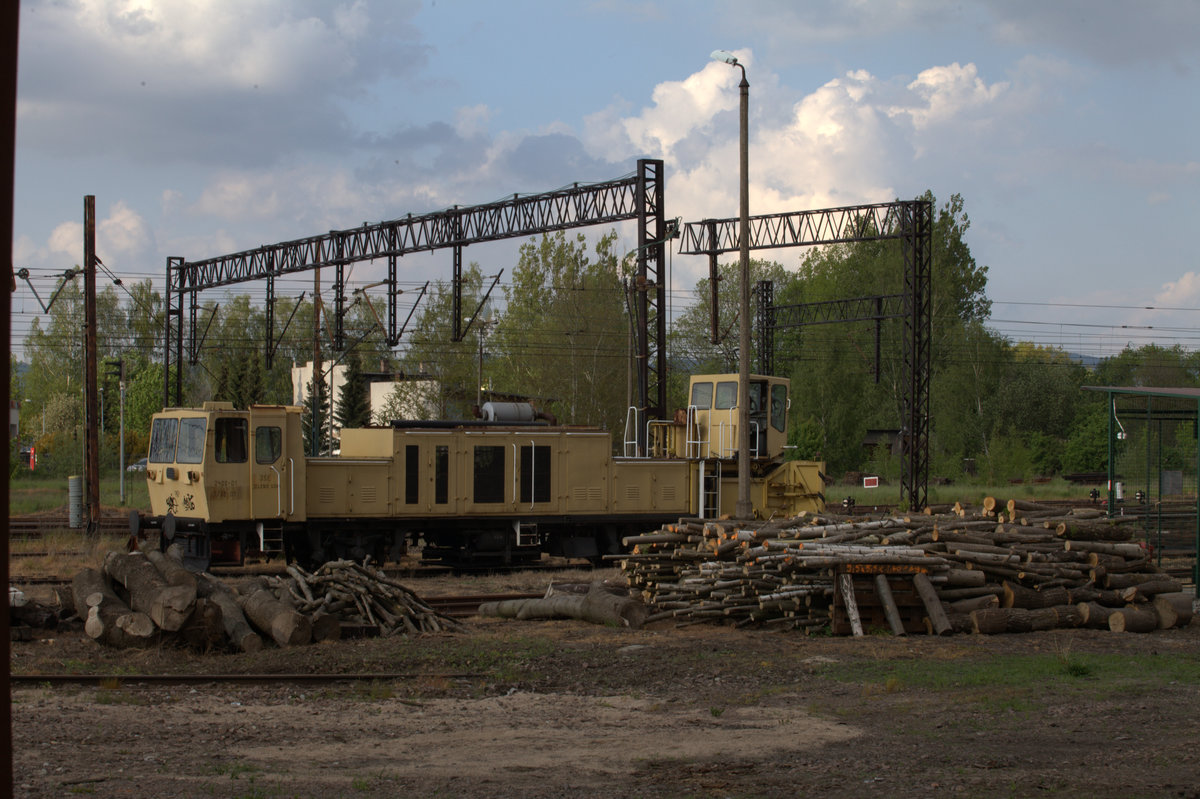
{"points": [[495, 491]]}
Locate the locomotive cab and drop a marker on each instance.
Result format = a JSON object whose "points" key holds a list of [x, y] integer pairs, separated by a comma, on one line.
{"points": [[712, 416], [222, 480]]}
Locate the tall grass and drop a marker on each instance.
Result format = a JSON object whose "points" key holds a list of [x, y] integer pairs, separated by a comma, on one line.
{"points": [[967, 493], [32, 493], [59, 553]]}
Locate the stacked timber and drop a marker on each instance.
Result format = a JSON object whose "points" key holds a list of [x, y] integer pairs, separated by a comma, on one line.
{"points": [[141, 599], [995, 568]]}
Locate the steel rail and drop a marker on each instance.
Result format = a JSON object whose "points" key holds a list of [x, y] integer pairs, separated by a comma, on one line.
{"points": [[256, 678]]}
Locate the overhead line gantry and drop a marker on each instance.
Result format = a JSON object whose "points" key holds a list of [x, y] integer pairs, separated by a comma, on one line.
{"points": [[639, 197], [910, 221]]}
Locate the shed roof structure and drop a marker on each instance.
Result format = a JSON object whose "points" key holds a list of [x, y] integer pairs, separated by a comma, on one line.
{"points": [[1154, 466]]}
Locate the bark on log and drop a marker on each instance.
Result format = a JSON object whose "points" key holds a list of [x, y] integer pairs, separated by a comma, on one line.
{"points": [[965, 606], [597, 606], [237, 629], [1133, 620], [1094, 615], [1173, 610], [204, 631], [326, 627], [1109, 599], [846, 586], [106, 616], [890, 611], [933, 605], [1068, 615], [1129, 579], [285, 626], [1013, 620], [965, 578], [1018, 596], [168, 606], [1146, 591], [989, 621], [171, 570]]}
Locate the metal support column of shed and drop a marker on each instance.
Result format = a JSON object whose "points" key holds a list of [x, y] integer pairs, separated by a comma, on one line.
{"points": [[910, 221], [639, 197], [1181, 397]]}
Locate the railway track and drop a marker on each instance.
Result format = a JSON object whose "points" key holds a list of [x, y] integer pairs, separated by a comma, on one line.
{"points": [[34, 526], [115, 680]]}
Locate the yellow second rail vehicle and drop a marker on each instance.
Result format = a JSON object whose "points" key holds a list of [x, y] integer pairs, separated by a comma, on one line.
{"points": [[500, 490]]}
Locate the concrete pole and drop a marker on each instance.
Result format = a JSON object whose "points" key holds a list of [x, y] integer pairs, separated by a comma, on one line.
{"points": [[744, 508], [91, 440]]}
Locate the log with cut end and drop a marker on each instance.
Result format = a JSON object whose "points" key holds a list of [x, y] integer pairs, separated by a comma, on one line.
{"points": [[965, 606], [598, 606], [106, 616], [1173, 610], [1133, 620], [1146, 591], [1018, 596], [1094, 615], [285, 626], [168, 606], [237, 629]]}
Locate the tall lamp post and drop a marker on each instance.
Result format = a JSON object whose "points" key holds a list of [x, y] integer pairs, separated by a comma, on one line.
{"points": [[743, 509]]}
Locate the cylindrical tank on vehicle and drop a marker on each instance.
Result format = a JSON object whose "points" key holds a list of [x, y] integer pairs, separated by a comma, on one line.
{"points": [[508, 412]]}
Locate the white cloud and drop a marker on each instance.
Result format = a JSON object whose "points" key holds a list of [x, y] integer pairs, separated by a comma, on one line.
{"points": [[67, 240], [947, 93], [240, 195], [682, 106], [472, 121], [1182, 292], [121, 237], [123, 233]]}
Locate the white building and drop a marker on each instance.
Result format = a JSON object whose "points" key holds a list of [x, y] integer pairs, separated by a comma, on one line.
{"points": [[419, 403]]}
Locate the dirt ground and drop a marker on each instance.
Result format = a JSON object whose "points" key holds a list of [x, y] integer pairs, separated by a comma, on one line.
{"points": [[564, 708]]}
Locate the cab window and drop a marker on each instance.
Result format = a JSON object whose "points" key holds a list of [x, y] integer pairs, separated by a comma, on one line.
{"points": [[758, 393], [191, 440], [702, 396], [726, 395], [230, 440], [268, 444], [779, 407], [162, 440]]}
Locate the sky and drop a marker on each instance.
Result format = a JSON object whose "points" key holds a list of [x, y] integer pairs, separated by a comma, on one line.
{"points": [[206, 127]]}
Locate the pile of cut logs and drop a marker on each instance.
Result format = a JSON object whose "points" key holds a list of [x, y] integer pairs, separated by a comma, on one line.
{"points": [[144, 598], [990, 569]]}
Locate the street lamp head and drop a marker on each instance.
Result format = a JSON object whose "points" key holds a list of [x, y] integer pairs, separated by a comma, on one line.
{"points": [[724, 56]]}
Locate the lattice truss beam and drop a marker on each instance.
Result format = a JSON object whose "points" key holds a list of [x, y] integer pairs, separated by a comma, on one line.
{"points": [[909, 221], [635, 197]]}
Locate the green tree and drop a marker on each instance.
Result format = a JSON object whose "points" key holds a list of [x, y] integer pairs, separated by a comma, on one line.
{"points": [[444, 373], [690, 338], [833, 367], [316, 418], [354, 404], [564, 335]]}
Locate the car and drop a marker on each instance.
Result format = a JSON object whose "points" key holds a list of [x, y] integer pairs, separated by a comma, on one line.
{"points": [[137, 466]]}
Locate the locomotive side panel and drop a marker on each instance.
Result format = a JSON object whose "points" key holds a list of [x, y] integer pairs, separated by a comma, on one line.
{"points": [[653, 487], [585, 466], [350, 487]]}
